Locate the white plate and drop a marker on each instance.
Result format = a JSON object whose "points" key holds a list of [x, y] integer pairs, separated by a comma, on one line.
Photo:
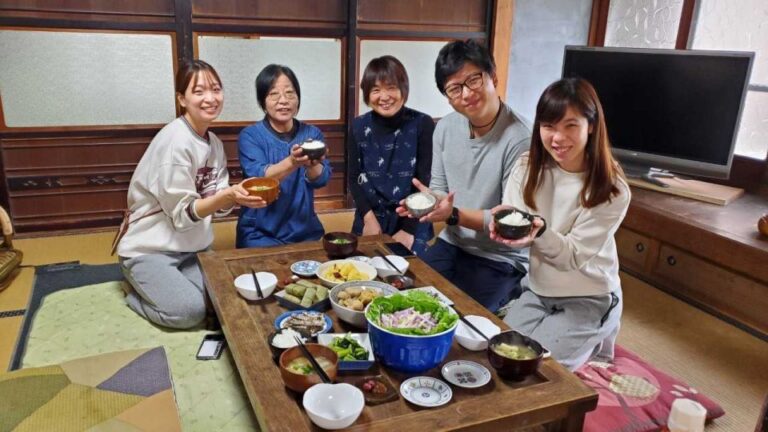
{"points": [[305, 268], [434, 293], [426, 391], [364, 268], [467, 374]]}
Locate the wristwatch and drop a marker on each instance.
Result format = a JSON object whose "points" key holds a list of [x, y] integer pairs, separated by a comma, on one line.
{"points": [[453, 219]]}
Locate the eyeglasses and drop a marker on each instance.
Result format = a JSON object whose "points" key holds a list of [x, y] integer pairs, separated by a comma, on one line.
{"points": [[274, 95], [474, 82]]}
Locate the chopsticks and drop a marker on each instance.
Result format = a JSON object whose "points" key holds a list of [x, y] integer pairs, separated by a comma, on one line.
{"points": [[256, 282], [323, 376], [378, 252]]}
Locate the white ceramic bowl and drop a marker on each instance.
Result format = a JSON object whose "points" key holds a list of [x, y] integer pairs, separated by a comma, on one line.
{"points": [[362, 267], [384, 269], [333, 406], [356, 318], [246, 287], [472, 341]]}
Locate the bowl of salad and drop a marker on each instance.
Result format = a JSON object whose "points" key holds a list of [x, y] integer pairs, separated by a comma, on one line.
{"points": [[410, 331]]}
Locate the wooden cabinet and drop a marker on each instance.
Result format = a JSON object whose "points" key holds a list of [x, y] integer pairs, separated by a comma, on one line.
{"points": [[707, 255]]}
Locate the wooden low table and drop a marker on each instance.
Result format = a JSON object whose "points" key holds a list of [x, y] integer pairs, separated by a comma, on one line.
{"points": [[553, 398]]}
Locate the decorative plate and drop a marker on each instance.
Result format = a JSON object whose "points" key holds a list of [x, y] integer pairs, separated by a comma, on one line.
{"points": [[467, 374], [426, 391], [306, 268]]}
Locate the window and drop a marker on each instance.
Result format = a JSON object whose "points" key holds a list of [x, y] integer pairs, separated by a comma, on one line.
{"points": [[740, 26]]}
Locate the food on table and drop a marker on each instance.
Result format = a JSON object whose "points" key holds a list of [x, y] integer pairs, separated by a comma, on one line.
{"points": [[340, 241], [348, 348], [307, 322], [515, 219], [286, 338], [374, 386], [258, 188], [357, 298], [515, 352], [343, 273], [302, 366], [412, 313], [305, 293]]}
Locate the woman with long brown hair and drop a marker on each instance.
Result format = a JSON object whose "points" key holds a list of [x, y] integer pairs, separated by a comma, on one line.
{"points": [[571, 301]]}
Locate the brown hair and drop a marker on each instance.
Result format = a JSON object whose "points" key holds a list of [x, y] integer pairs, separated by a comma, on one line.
{"points": [[385, 69], [188, 72], [602, 169]]}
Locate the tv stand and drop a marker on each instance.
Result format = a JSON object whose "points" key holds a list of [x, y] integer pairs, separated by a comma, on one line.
{"points": [[693, 189], [649, 175]]}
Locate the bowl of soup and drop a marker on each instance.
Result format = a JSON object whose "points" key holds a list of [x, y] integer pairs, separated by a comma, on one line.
{"points": [[314, 149], [513, 224], [514, 356], [265, 187], [340, 244], [297, 371]]}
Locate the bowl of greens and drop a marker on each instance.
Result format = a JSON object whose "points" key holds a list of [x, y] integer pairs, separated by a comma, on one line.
{"points": [[410, 331]]}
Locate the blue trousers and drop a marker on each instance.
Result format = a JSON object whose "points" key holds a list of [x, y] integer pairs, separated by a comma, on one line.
{"points": [[491, 283]]}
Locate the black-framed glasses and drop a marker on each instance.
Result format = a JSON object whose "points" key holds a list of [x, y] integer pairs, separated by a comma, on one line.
{"points": [[474, 82]]}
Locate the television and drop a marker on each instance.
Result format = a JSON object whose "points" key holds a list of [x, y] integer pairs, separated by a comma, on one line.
{"points": [[667, 109]]}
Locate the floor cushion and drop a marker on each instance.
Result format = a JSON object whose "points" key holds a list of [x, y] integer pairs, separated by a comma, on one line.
{"points": [[125, 391], [635, 396]]}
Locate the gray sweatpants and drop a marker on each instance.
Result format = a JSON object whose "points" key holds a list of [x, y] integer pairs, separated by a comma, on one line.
{"points": [[575, 329], [168, 288]]}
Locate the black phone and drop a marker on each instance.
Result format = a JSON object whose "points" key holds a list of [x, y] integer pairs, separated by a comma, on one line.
{"points": [[211, 347], [399, 250]]}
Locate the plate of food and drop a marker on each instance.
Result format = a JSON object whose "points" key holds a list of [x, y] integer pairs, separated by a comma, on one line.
{"points": [[303, 294], [332, 273], [354, 349], [376, 389], [306, 268], [303, 321], [434, 293]]}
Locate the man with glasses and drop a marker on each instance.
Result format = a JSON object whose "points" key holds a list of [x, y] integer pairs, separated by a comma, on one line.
{"points": [[474, 149]]}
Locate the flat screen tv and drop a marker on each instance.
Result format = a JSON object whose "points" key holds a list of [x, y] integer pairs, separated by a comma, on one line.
{"points": [[667, 109]]}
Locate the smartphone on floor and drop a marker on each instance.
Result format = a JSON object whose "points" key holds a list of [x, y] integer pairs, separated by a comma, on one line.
{"points": [[211, 347]]}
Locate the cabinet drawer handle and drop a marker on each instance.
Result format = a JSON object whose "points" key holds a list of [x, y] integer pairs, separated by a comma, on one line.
{"points": [[671, 260], [639, 247]]}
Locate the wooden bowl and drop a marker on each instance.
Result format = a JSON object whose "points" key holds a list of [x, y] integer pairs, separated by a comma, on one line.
{"points": [[265, 187], [301, 383]]}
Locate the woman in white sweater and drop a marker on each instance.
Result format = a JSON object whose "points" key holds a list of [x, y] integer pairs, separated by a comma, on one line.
{"points": [[177, 187], [572, 300]]}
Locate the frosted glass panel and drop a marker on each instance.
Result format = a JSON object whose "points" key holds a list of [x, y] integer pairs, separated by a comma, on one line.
{"points": [[418, 57], [542, 29], [737, 26], [643, 23], [753, 132], [316, 63], [79, 79]]}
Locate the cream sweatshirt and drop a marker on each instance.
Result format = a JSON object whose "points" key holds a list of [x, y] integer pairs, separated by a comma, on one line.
{"points": [[576, 255], [177, 168]]}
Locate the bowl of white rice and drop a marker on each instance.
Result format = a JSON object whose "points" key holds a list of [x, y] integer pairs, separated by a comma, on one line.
{"points": [[420, 203], [513, 224], [315, 149]]}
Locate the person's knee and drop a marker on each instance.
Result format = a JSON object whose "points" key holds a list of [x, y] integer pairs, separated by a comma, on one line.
{"points": [[189, 318]]}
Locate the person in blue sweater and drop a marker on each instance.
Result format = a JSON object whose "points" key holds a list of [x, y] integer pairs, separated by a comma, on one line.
{"points": [[391, 145], [271, 148]]}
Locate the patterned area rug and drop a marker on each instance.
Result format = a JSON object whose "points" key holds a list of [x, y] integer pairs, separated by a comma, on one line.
{"points": [[121, 391], [94, 319]]}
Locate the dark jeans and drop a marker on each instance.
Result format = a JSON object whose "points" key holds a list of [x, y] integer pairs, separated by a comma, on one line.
{"points": [[491, 283]]}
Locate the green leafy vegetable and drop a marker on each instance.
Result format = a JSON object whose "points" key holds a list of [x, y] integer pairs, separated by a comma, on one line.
{"points": [[421, 302], [348, 348]]}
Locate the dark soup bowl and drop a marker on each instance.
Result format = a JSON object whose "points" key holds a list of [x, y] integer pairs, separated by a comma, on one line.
{"points": [[514, 356], [340, 244], [513, 231]]}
